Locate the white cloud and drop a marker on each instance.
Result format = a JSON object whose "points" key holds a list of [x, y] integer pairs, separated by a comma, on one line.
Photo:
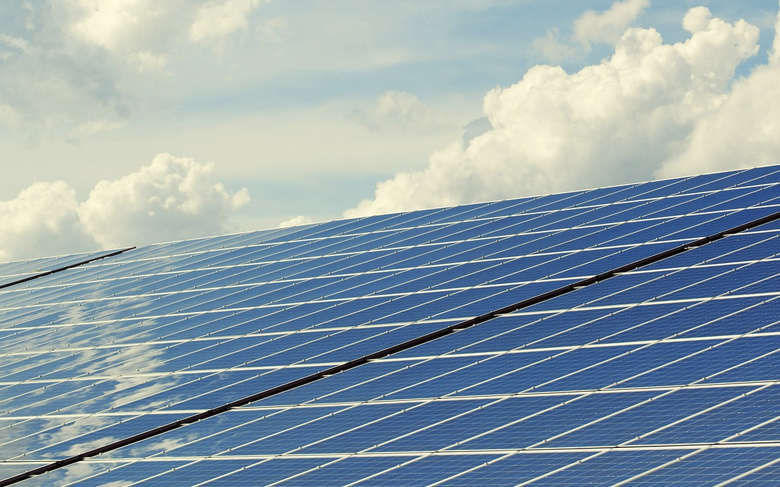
{"points": [[215, 21], [298, 220], [475, 128], [153, 27], [42, 220], [70, 62], [120, 25], [744, 130], [552, 49], [607, 27], [649, 106], [398, 110], [172, 198], [88, 129], [29, 25], [591, 27], [15, 42]]}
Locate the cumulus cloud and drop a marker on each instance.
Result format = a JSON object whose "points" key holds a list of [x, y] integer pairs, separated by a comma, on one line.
{"points": [[151, 28], [591, 27], [42, 220], [298, 220], [475, 128], [650, 109], [171, 198], [607, 27], [74, 62], [398, 110], [551, 48], [743, 132]]}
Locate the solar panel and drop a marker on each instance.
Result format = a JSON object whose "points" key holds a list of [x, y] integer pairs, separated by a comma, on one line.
{"points": [[618, 335]]}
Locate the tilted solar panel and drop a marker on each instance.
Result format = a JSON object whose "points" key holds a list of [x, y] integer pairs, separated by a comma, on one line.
{"points": [[662, 374]]}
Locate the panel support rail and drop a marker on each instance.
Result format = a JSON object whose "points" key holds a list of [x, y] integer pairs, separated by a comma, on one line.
{"points": [[388, 351], [65, 268]]}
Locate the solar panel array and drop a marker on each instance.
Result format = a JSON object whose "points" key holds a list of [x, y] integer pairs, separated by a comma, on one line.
{"points": [[369, 351]]}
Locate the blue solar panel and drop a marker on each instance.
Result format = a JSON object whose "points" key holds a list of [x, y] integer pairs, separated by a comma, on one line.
{"points": [[611, 377]]}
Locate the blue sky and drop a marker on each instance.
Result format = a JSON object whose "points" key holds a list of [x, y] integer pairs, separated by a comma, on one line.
{"points": [[133, 121]]}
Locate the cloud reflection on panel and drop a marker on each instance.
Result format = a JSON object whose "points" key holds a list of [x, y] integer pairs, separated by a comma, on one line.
{"points": [[51, 410], [650, 110], [172, 198], [60, 417]]}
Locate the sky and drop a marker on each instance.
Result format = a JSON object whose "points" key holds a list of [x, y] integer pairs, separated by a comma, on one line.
{"points": [[127, 122]]}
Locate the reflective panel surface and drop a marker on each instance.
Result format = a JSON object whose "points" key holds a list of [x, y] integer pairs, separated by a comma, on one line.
{"points": [[664, 374]]}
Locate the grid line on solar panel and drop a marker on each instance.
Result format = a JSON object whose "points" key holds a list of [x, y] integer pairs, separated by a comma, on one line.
{"points": [[640, 304], [671, 448], [750, 473], [383, 472], [38, 266], [659, 467], [620, 308], [716, 264], [756, 385], [710, 466], [722, 341], [707, 446], [324, 460], [451, 453], [247, 463], [57, 265]]}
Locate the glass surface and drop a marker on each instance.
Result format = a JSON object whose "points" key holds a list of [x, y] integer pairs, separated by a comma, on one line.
{"points": [[116, 347]]}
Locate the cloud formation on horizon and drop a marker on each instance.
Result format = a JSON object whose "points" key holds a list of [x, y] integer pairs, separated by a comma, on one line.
{"points": [[650, 110], [172, 198]]}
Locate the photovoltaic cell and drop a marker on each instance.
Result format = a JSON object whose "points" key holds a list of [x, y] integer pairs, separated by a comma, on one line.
{"points": [[611, 378]]}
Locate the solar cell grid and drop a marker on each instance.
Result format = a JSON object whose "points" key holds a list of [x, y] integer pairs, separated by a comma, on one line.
{"points": [[426, 470], [412, 219], [690, 184], [707, 467], [764, 474], [515, 469], [212, 292]]}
